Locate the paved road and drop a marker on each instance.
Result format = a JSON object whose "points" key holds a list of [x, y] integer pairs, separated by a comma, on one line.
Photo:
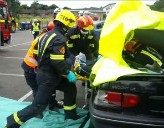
{"points": [[12, 82]]}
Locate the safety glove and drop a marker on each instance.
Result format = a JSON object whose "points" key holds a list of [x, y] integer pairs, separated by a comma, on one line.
{"points": [[71, 77]]}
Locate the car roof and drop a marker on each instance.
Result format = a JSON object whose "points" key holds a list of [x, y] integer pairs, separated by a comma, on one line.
{"points": [[96, 22]]}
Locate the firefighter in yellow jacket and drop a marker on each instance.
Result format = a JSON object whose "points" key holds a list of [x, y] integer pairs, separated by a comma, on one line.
{"points": [[29, 65], [35, 28]]}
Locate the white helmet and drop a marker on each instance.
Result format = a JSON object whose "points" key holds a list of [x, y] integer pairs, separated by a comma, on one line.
{"points": [[35, 20], [57, 10]]}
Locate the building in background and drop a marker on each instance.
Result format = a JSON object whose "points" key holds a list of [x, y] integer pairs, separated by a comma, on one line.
{"points": [[108, 7], [94, 12]]}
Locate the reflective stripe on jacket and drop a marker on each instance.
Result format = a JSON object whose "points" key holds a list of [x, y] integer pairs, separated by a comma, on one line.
{"points": [[29, 58], [153, 57], [52, 52]]}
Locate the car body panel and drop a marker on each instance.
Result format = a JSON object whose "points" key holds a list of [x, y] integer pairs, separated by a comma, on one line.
{"points": [[148, 113]]}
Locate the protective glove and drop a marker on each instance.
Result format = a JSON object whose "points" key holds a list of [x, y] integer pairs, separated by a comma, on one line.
{"points": [[71, 77], [33, 32]]}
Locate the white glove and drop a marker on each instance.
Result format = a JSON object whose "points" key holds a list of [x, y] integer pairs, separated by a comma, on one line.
{"points": [[33, 32]]}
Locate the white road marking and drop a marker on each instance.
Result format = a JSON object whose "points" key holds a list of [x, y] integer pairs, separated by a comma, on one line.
{"points": [[11, 57], [19, 50], [6, 74], [29, 94], [25, 96], [15, 45]]}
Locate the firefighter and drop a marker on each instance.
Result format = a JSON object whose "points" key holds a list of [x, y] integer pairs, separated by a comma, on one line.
{"points": [[143, 55], [52, 65], [83, 39], [35, 28], [29, 66]]}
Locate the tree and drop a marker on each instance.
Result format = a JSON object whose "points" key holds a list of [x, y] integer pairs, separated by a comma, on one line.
{"points": [[43, 7], [53, 6], [158, 6], [67, 8], [24, 6], [14, 7], [34, 7]]}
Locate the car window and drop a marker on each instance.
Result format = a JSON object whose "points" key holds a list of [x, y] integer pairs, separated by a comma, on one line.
{"points": [[3, 12]]}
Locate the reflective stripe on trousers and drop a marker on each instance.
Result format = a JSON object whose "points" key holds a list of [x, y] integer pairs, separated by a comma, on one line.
{"points": [[70, 107], [17, 120]]}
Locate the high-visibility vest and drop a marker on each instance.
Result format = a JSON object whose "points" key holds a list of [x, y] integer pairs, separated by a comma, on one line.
{"points": [[29, 58], [35, 27]]}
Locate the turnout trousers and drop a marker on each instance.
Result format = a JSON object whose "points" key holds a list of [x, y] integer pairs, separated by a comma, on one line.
{"points": [[36, 34], [48, 82], [31, 81]]}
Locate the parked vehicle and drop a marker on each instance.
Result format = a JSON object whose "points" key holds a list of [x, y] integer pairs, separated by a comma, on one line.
{"points": [[98, 27], [128, 95], [6, 21], [133, 101]]}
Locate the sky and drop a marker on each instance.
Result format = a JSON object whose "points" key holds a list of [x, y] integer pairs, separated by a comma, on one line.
{"points": [[76, 4]]}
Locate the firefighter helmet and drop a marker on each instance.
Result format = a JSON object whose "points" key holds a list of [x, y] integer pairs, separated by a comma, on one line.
{"points": [[35, 20], [132, 46], [50, 25], [85, 22], [66, 17]]}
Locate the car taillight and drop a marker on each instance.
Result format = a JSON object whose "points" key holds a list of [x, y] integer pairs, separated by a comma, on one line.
{"points": [[129, 100], [117, 99], [113, 98]]}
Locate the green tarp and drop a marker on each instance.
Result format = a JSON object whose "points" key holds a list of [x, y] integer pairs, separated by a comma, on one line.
{"points": [[51, 119]]}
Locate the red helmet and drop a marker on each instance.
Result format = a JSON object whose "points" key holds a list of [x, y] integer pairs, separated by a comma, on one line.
{"points": [[50, 25], [85, 22]]}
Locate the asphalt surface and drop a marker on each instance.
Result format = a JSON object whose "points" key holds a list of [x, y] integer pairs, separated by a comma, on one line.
{"points": [[12, 81]]}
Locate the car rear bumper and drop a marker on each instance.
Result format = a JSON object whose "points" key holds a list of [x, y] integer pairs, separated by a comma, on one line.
{"points": [[103, 119]]}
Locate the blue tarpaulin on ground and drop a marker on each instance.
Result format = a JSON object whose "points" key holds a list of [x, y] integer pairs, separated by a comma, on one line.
{"points": [[51, 119]]}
